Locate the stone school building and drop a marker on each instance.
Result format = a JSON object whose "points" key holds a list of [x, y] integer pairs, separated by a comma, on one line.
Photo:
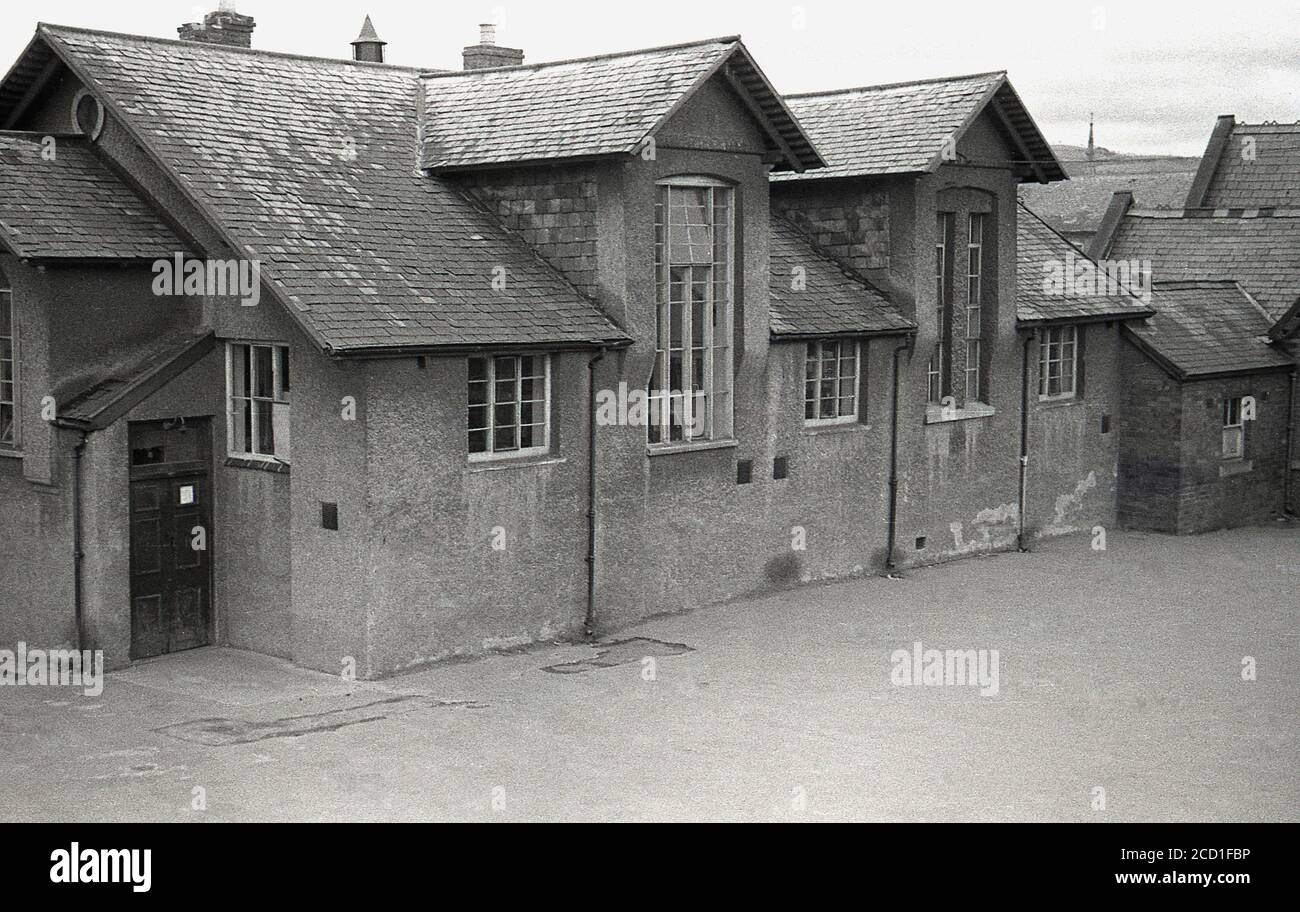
{"points": [[307, 356]]}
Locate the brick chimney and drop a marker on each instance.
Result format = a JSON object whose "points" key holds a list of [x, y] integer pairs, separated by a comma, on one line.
{"points": [[225, 26], [486, 53], [368, 46]]}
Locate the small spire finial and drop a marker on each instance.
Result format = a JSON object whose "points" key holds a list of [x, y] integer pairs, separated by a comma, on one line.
{"points": [[368, 46]]}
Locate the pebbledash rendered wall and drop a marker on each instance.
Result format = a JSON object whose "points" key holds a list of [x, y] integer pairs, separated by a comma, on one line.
{"points": [[675, 529], [36, 518], [1072, 478], [412, 575], [959, 479], [75, 322]]}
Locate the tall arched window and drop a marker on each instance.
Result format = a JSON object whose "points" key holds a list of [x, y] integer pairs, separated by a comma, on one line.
{"points": [[8, 366], [965, 272], [690, 385]]}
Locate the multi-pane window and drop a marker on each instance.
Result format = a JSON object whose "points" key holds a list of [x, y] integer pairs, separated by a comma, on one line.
{"points": [[939, 372], [1234, 429], [509, 405], [8, 367], [974, 307], [1058, 362], [689, 392], [831, 383], [258, 413]]}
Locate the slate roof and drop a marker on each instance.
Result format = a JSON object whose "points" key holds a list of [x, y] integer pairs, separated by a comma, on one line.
{"points": [[1258, 166], [833, 301], [308, 165], [902, 128], [1203, 328], [1039, 247], [72, 206], [117, 389], [589, 107], [1288, 324], [1262, 254]]}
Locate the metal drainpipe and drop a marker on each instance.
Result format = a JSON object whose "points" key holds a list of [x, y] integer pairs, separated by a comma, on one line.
{"points": [[589, 624], [893, 460], [1024, 442], [77, 555], [1288, 486]]}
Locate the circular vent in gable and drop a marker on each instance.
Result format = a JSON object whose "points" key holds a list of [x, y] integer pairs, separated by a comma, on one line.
{"points": [[87, 115]]}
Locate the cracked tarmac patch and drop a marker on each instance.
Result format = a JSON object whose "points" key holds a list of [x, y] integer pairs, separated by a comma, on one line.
{"points": [[621, 652], [221, 732]]}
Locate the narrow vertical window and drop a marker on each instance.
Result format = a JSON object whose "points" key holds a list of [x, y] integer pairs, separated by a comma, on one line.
{"points": [[1058, 362], [509, 405], [940, 364], [1234, 429], [831, 383], [689, 392], [257, 381], [974, 308], [9, 365]]}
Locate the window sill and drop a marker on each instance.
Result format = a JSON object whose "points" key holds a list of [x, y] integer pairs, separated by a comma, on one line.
{"points": [[938, 414], [848, 427], [261, 465], [518, 462], [1060, 402], [12, 454], [693, 447], [1235, 465]]}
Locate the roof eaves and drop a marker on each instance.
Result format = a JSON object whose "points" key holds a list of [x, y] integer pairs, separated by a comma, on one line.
{"points": [[778, 335], [813, 158], [1050, 166], [29, 86], [406, 351], [1147, 311], [1145, 346]]}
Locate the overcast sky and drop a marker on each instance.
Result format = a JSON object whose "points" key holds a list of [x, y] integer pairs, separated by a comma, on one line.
{"points": [[1155, 73]]}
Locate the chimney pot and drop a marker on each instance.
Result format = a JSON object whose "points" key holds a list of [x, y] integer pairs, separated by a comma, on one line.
{"points": [[487, 33]]}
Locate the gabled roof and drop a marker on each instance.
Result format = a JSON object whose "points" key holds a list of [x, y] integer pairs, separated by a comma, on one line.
{"points": [[1204, 328], [1262, 254], [308, 165], [903, 128], [58, 201], [594, 106], [829, 299], [1040, 252], [116, 390], [1248, 166]]}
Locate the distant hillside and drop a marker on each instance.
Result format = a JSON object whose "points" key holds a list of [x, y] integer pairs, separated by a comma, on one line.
{"points": [[1075, 207]]}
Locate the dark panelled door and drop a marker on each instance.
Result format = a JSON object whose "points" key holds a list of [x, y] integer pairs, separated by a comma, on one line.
{"points": [[171, 537]]}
